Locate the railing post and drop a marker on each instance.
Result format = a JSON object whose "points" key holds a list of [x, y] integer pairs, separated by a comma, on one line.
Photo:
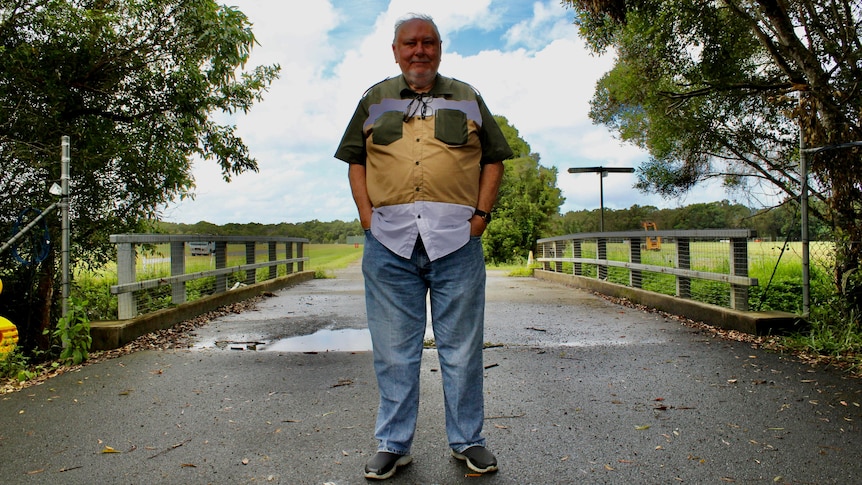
{"points": [[288, 254], [602, 255], [271, 250], [300, 251], [250, 274], [558, 253], [126, 305], [577, 252], [683, 261], [635, 276], [178, 267], [221, 262], [543, 252], [739, 267]]}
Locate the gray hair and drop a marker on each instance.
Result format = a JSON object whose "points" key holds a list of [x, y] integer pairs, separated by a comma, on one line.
{"points": [[414, 16]]}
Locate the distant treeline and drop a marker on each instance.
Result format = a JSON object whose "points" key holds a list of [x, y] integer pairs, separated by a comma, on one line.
{"points": [[773, 224], [315, 231], [776, 223]]}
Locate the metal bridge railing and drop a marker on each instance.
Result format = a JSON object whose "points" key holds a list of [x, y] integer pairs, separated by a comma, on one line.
{"points": [[230, 258], [646, 259]]}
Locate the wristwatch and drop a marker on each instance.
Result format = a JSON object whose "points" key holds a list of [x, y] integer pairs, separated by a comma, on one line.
{"points": [[484, 215]]}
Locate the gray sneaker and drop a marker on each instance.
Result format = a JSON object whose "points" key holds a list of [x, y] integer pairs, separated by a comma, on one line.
{"points": [[478, 459]]}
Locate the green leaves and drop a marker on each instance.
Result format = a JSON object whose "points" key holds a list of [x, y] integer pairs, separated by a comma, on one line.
{"points": [[134, 83], [528, 200], [73, 333]]}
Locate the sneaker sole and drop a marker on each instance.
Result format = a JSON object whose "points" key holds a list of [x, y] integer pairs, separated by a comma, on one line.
{"points": [[472, 466], [404, 460]]}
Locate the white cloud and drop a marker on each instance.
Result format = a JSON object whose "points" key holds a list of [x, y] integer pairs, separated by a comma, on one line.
{"points": [[531, 68]]}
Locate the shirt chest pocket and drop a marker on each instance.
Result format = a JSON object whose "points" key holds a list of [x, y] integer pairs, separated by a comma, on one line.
{"points": [[450, 126], [388, 128]]}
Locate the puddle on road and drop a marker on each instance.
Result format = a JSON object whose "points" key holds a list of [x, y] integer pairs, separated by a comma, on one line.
{"points": [[325, 340], [347, 340]]}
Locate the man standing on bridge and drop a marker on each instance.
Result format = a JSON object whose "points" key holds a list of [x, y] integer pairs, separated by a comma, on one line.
{"points": [[425, 162]]}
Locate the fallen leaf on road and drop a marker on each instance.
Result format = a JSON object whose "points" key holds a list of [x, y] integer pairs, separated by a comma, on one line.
{"points": [[343, 382], [108, 449]]}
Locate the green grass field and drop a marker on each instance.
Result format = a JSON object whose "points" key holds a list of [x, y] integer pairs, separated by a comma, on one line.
{"points": [[328, 257]]}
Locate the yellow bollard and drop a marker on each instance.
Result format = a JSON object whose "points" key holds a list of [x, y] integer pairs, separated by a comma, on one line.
{"points": [[8, 337]]}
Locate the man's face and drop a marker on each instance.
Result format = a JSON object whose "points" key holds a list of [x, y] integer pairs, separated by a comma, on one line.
{"points": [[417, 52]]}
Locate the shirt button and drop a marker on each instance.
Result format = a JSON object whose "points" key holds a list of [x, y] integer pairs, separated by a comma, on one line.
{"points": [[418, 189], [417, 139], [417, 162]]}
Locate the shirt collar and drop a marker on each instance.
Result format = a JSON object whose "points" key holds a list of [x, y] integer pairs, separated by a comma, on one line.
{"points": [[442, 88]]}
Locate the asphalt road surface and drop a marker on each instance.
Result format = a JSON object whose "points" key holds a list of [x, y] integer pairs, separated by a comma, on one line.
{"points": [[578, 390]]}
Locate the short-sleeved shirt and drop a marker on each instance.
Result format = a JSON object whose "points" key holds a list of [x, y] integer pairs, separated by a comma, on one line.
{"points": [[423, 156]]}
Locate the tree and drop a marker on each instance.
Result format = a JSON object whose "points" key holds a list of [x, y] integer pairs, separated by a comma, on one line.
{"points": [[135, 85], [723, 89], [527, 202]]}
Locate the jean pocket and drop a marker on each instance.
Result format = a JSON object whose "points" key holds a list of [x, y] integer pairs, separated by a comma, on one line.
{"points": [[450, 126], [388, 128]]}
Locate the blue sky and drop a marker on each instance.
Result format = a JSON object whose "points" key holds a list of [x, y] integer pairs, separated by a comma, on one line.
{"points": [[525, 58]]}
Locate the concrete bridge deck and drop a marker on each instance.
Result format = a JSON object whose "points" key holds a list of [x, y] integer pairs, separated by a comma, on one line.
{"points": [[578, 390]]}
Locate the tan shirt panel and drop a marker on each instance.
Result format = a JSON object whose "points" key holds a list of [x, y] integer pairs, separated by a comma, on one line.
{"points": [[420, 167]]}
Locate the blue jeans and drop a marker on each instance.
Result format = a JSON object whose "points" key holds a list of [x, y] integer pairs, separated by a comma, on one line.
{"points": [[395, 295]]}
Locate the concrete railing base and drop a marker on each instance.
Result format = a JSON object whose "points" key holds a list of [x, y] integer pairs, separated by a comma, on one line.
{"points": [[109, 335], [757, 323]]}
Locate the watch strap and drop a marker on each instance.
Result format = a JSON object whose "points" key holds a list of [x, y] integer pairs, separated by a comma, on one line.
{"points": [[484, 215]]}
